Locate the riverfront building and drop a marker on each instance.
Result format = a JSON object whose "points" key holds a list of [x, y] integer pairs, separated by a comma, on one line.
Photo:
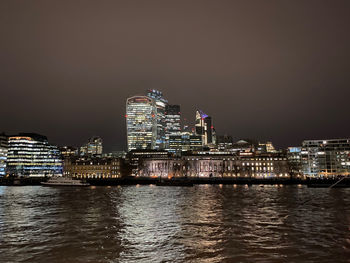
{"points": [[93, 167], [30, 154], [294, 161], [3, 154], [141, 123], [93, 147], [217, 164], [326, 158]]}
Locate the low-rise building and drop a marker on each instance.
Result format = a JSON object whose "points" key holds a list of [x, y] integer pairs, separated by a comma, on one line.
{"points": [[217, 164], [93, 167]]}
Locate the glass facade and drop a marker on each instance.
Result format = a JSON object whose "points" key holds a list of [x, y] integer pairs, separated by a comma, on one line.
{"points": [[161, 104], [32, 155], [204, 127], [3, 154], [141, 123], [92, 148], [172, 125], [326, 158]]}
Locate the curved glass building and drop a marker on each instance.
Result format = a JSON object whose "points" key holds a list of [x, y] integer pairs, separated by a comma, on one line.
{"points": [[30, 154]]}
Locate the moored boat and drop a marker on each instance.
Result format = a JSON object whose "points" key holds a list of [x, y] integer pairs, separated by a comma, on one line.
{"points": [[64, 181]]}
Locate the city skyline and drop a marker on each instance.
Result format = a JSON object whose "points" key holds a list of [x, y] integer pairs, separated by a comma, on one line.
{"points": [[271, 71]]}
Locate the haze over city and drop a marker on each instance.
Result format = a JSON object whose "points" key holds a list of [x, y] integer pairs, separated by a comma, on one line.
{"points": [[266, 70]]}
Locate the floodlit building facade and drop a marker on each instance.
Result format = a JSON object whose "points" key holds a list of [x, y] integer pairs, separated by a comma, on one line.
{"points": [[213, 164], [93, 147], [31, 155], [326, 158], [3, 154], [204, 127], [141, 123], [93, 167]]}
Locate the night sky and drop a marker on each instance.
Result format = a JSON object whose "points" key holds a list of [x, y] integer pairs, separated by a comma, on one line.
{"points": [[267, 70]]}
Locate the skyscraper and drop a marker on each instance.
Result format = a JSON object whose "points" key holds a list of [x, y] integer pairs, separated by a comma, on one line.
{"points": [[141, 123], [204, 127], [93, 147], [3, 154], [172, 122], [160, 103], [30, 154]]}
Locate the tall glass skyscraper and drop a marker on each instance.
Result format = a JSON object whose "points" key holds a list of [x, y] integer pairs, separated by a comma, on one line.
{"points": [[204, 127], [141, 123], [172, 123], [30, 154], [160, 103]]}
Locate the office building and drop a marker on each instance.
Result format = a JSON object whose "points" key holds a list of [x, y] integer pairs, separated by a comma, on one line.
{"points": [[172, 122], [30, 154], [224, 142], [294, 161], [92, 167], [204, 127], [69, 151], [93, 147], [160, 103], [141, 123], [326, 158], [3, 154]]}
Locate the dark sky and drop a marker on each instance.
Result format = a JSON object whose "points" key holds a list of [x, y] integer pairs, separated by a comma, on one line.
{"points": [[269, 70]]}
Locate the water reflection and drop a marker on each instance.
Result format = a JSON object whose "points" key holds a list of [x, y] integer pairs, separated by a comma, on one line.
{"points": [[208, 223]]}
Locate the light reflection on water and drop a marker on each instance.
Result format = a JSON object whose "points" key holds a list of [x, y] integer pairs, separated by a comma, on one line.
{"points": [[208, 223]]}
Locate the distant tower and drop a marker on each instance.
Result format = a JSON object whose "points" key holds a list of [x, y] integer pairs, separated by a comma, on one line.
{"points": [[141, 123], [93, 147], [203, 127], [172, 122], [160, 103]]}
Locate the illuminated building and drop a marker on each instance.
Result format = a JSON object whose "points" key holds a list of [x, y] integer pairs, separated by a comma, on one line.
{"points": [[92, 148], [3, 154], [224, 142], [175, 143], [30, 154], [326, 158], [217, 164], [204, 127], [172, 123], [294, 160], [160, 104], [68, 151], [266, 147], [93, 167], [141, 123]]}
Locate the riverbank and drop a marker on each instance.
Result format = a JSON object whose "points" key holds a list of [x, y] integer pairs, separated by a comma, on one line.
{"points": [[175, 181]]}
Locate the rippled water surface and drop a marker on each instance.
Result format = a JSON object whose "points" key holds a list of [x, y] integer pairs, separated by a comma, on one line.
{"points": [[174, 224]]}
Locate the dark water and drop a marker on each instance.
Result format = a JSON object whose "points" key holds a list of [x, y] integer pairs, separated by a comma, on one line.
{"points": [[174, 224]]}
